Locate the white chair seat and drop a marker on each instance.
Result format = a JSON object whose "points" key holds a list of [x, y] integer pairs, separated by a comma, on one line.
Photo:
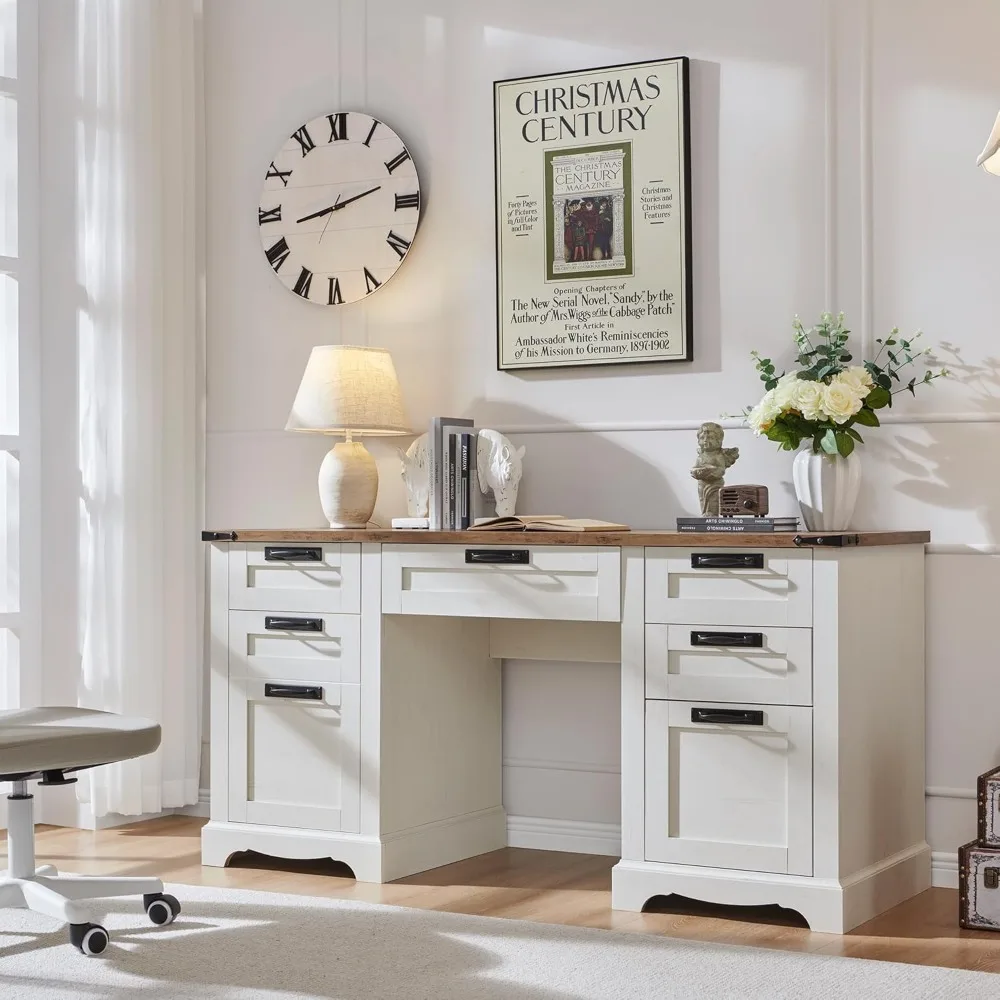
{"points": [[48, 739]]}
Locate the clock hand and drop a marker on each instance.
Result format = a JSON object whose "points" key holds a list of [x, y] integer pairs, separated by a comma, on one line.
{"points": [[326, 226], [363, 194], [322, 211], [338, 204]]}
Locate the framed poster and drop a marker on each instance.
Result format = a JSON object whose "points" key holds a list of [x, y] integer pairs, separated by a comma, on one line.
{"points": [[592, 217]]}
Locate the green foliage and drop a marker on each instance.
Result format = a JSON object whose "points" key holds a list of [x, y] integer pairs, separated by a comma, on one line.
{"points": [[822, 351], [765, 368]]}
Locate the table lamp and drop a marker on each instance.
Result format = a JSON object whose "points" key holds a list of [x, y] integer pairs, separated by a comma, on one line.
{"points": [[348, 390], [989, 159]]}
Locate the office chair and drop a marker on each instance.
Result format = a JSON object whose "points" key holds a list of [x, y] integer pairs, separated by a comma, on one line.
{"points": [[47, 745]]}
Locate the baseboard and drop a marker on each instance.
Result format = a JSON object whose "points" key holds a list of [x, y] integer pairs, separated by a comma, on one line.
{"points": [[574, 836], [944, 869]]}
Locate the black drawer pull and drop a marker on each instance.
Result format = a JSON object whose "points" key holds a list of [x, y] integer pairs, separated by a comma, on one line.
{"points": [[503, 557], [301, 691], [727, 560], [753, 640], [728, 716], [278, 623], [285, 553]]}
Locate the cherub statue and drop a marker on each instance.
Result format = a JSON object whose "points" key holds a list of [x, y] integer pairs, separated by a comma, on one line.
{"points": [[710, 467]]}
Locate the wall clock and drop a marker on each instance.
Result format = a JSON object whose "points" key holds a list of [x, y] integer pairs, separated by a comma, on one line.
{"points": [[339, 209]]}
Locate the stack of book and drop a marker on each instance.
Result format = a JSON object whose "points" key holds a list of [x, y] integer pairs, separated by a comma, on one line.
{"points": [[454, 500], [738, 524]]}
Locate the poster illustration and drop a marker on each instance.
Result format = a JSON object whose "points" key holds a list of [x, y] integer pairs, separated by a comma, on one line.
{"points": [[593, 229]]}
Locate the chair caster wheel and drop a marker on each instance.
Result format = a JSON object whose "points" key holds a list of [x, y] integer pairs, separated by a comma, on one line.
{"points": [[161, 907], [91, 939]]}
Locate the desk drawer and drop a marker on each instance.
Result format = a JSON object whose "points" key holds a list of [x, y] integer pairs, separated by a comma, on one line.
{"points": [[309, 647], [729, 587], [303, 576], [770, 666], [294, 754], [572, 583], [728, 787]]}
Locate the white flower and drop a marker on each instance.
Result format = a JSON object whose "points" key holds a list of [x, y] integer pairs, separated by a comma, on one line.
{"points": [[857, 378], [841, 401], [764, 413], [809, 399]]}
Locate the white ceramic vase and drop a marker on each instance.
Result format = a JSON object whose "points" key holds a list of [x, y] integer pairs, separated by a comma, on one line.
{"points": [[826, 487]]}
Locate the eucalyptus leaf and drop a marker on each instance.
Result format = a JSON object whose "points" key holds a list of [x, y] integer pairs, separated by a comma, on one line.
{"points": [[829, 442], [845, 443], [877, 398]]}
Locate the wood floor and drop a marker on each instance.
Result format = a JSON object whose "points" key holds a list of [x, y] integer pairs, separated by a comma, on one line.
{"points": [[530, 885]]}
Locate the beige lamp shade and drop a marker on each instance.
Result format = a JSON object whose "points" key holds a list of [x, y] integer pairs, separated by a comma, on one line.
{"points": [[989, 159], [349, 389]]}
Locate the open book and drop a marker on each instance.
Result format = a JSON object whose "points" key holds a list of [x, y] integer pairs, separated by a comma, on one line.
{"points": [[545, 522]]}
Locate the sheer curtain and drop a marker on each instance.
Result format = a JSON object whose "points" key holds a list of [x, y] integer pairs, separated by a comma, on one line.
{"points": [[138, 155]]}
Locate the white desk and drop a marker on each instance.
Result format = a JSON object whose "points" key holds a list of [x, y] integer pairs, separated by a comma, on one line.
{"points": [[772, 703]]}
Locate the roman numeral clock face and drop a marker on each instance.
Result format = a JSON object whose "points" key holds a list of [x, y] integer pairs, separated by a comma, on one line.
{"points": [[339, 209]]}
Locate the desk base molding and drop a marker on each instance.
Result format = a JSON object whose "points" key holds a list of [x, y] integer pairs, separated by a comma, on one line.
{"points": [[372, 859], [220, 841], [828, 905]]}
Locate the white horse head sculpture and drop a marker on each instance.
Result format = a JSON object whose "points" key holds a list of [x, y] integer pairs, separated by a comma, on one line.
{"points": [[499, 466], [416, 476]]}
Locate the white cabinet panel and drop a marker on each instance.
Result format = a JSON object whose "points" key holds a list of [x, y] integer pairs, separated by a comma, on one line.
{"points": [[575, 583], [732, 791], [766, 666], [294, 757], [310, 647], [713, 586], [305, 576]]}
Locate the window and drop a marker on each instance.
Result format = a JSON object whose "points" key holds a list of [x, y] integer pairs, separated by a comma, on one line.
{"points": [[19, 402]]}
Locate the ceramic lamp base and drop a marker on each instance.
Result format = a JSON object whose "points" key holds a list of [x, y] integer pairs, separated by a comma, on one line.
{"points": [[348, 485]]}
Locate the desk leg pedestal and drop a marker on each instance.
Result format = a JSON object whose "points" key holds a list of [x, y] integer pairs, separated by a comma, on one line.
{"points": [[371, 859], [829, 906], [393, 743]]}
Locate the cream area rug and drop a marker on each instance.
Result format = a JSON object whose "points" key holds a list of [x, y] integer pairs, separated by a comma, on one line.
{"points": [[234, 944]]}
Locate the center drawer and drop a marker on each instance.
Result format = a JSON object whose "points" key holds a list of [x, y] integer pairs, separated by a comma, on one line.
{"points": [[762, 666], [572, 583]]}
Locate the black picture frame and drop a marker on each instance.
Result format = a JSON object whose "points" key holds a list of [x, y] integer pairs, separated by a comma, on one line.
{"points": [[686, 355]]}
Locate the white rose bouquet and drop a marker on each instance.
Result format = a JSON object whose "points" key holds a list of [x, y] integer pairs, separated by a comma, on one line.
{"points": [[827, 397]]}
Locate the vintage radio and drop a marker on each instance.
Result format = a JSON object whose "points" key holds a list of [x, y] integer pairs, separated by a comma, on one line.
{"points": [[735, 500], [979, 887]]}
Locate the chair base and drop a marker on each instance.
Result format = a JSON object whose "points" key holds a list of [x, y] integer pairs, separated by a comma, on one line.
{"points": [[60, 896], [44, 890]]}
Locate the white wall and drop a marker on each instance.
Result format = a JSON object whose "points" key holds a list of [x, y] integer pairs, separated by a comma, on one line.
{"points": [[833, 146]]}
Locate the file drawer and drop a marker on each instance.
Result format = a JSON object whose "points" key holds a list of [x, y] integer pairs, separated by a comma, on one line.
{"points": [[309, 647], [765, 666], [577, 583], [294, 753], [729, 787], [734, 587], [304, 576]]}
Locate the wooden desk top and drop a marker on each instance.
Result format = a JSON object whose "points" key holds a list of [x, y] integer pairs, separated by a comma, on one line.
{"points": [[622, 539]]}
